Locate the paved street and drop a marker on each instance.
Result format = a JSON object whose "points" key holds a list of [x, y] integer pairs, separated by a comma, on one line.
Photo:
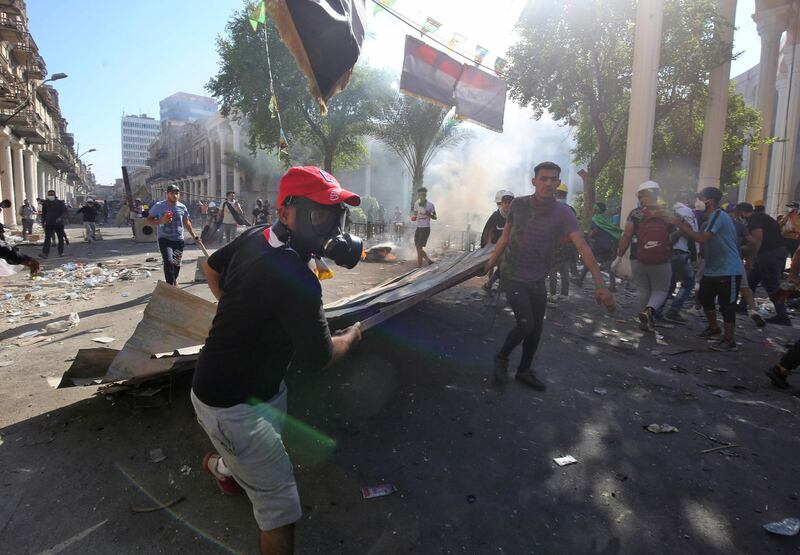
{"points": [[414, 407]]}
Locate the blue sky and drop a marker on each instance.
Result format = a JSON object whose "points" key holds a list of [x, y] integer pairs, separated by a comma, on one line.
{"points": [[126, 56]]}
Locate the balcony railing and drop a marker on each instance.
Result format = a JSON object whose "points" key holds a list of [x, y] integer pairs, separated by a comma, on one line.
{"points": [[11, 28], [37, 68], [13, 6]]}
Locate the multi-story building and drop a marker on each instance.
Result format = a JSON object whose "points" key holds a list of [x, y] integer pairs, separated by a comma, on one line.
{"points": [[186, 107], [36, 151], [138, 133]]}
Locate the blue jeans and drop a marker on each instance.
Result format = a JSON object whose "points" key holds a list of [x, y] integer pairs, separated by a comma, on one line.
{"points": [[682, 272]]}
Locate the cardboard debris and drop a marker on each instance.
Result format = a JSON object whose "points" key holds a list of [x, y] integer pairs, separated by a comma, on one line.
{"points": [[565, 460]]}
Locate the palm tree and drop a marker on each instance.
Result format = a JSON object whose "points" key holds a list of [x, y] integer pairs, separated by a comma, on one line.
{"points": [[417, 131]]}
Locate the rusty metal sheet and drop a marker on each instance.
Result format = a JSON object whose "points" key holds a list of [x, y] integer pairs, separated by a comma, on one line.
{"points": [[172, 319]]}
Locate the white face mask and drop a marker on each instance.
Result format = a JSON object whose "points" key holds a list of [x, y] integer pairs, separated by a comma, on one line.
{"points": [[699, 205], [51, 197]]}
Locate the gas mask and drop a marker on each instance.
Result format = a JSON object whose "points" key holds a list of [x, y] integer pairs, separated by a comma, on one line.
{"points": [[319, 232]]}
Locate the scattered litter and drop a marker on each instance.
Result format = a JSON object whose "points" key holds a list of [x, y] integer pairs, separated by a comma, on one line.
{"points": [[717, 370], [785, 527], [159, 507], [151, 259], [104, 340], [565, 460], [600, 390], [661, 428], [53, 381], [29, 334], [723, 393], [4, 363], [63, 325], [96, 330], [471, 498], [125, 294], [679, 369], [377, 491], [186, 470], [157, 455]]}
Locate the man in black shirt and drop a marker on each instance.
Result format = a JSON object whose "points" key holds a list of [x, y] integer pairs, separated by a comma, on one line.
{"points": [[493, 229], [270, 318], [54, 215], [766, 261], [13, 256]]}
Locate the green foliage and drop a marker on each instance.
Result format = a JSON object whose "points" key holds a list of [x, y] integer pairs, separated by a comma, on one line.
{"points": [[370, 203], [335, 141], [416, 131], [574, 61], [357, 215]]}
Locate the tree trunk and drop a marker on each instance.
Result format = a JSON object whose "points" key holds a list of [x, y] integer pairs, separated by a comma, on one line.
{"points": [[416, 183], [328, 162], [588, 197]]}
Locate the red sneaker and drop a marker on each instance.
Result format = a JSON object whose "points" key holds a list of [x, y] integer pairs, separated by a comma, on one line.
{"points": [[226, 484]]}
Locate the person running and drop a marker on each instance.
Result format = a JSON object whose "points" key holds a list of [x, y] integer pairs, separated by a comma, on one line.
{"points": [[723, 271], [650, 254], [424, 212], [270, 303], [54, 215], [493, 229], [746, 245], [172, 217], [767, 261], [684, 253], [534, 224], [89, 212], [27, 213], [604, 237]]}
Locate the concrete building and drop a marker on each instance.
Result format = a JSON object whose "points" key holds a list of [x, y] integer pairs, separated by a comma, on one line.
{"points": [[187, 107], [138, 133], [36, 151], [198, 156]]}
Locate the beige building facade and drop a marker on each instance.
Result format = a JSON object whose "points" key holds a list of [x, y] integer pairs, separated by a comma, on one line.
{"points": [[36, 151]]}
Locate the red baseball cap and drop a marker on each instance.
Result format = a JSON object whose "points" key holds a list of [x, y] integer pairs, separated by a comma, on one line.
{"points": [[313, 183]]}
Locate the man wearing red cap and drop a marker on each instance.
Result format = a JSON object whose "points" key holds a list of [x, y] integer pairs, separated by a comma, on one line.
{"points": [[270, 303]]}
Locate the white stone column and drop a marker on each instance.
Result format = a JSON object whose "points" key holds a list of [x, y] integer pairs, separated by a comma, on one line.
{"points": [[775, 194], [717, 108], [785, 175], [29, 157], [19, 174], [7, 180], [641, 115], [223, 166], [41, 186], [213, 153], [237, 186], [770, 25]]}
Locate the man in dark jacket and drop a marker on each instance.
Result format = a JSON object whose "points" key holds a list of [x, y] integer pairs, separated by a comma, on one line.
{"points": [[54, 214], [89, 211], [13, 256]]}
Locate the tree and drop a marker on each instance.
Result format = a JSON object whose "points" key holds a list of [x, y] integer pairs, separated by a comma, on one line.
{"points": [[416, 131], [574, 60], [242, 85]]}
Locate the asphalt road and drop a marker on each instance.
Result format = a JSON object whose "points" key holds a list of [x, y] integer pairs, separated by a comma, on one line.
{"points": [[414, 407]]}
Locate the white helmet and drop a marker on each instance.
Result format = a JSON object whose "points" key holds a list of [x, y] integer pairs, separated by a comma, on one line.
{"points": [[648, 185], [498, 198], [212, 204]]}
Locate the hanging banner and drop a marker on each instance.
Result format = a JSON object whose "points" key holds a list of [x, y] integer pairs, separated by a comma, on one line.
{"points": [[258, 15], [480, 54], [382, 5], [500, 66], [324, 37], [428, 73], [481, 98], [430, 26], [455, 40]]}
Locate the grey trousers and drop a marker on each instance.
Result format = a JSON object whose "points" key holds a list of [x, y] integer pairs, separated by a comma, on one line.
{"points": [[652, 283]]}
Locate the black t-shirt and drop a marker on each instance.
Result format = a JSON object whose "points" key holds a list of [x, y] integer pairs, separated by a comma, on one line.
{"points": [[260, 215], [771, 231], [270, 315], [493, 228], [89, 213]]}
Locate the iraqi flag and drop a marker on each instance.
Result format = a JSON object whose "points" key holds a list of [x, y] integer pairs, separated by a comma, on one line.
{"points": [[324, 37], [428, 73], [481, 98]]}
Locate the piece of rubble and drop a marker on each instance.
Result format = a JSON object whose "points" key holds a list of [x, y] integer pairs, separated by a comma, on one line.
{"points": [[104, 340], [63, 325], [565, 460], [785, 527], [661, 428]]}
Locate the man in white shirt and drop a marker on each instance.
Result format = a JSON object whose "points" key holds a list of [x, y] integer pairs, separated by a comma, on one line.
{"points": [[423, 213], [228, 216], [682, 266]]}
